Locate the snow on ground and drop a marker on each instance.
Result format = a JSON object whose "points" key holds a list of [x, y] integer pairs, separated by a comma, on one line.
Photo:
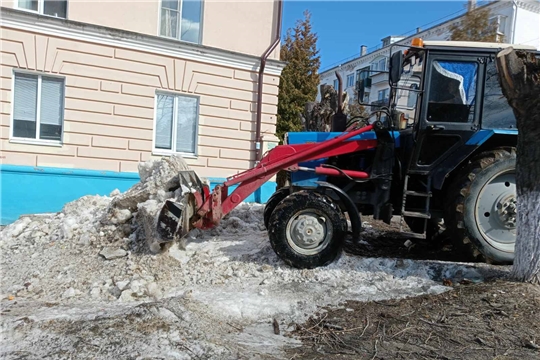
{"points": [[216, 298]]}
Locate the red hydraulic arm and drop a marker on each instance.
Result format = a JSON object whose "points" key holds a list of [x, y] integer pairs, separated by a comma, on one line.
{"points": [[219, 203]]}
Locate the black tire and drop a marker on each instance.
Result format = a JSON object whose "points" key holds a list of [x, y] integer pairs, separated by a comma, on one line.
{"points": [[272, 203], [461, 214], [333, 230]]}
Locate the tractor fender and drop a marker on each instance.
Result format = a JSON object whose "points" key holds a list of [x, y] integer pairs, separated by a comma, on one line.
{"points": [[481, 141], [354, 214]]}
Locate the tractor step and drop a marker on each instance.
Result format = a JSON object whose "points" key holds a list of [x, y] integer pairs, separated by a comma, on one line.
{"points": [[417, 193], [417, 172], [416, 214], [408, 235]]}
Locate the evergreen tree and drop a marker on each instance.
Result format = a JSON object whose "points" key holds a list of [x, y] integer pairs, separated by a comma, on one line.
{"points": [[475, 26], [300, 76]]}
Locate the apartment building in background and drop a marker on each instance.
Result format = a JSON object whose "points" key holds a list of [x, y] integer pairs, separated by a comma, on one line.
{"points": [[91, 88], [518, 22]]}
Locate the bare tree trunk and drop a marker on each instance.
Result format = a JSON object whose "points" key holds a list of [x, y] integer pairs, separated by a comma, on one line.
{"points": [[317, 116], [519, 75]]}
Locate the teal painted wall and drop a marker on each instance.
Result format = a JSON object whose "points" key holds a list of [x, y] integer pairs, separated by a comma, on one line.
{"points": [[32, 190]]}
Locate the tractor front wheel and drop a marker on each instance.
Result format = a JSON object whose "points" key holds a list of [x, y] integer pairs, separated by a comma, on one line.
{"points": [[307, 229], [483, 215]]}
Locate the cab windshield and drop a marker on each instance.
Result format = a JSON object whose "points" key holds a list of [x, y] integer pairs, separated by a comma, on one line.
{"points": [[408, 90]]}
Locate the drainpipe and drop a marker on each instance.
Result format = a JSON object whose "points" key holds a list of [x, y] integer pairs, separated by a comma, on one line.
{"points": [[264, 57], [515, 10]]}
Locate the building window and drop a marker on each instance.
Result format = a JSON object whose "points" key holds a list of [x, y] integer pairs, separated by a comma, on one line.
{"points": [[377, 66], [336, 84], [176, 124], [499, 22], [181, 19], [383, 94], [366, 97], [56, 8], [38, 107], [382, 65], [413, 96], [362, 74], [350, 80]]}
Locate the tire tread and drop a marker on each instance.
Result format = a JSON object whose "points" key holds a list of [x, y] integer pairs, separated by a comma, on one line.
{"points": [[286, 208], [457, 195]]}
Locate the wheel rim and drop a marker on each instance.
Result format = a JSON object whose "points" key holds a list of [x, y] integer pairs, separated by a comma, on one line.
{"points": [[496, 211], [309, 232]]}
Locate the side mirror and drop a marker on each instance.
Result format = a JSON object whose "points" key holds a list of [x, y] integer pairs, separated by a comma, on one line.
{"points": [[360, 89], [396, 67]]}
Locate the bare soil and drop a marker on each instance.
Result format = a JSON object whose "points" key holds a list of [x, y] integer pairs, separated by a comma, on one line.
{"points": [[387, 241], [497, 319], [494, 320]]}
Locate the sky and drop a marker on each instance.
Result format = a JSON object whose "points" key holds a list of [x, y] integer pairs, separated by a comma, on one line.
{"points": [[343, 26]]}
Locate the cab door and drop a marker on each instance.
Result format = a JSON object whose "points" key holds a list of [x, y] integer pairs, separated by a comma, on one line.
{"points": [[450, 110]]}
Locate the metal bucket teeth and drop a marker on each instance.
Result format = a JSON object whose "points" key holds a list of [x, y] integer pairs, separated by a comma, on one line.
{"points": [[169, 219], [174, 218]]}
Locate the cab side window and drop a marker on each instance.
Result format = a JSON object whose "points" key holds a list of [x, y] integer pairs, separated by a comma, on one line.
{"points": [[496, 112], [452, 91]]}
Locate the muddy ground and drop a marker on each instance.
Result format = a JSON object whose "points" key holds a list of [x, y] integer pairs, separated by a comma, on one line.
{"points": [[227, 289], [496, 319], [493, 320]]}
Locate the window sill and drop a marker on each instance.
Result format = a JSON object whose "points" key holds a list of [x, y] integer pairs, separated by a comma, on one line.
{"points": [[40, 13], [168, 153], [180, 40], [35, 142]]}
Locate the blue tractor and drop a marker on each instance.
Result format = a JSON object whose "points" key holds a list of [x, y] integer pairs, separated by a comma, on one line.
{"points": [[451, 164], [448, 158]]}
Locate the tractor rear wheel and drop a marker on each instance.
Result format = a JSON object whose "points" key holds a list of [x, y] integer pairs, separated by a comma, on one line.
{"points": [[272, 203], [307, 229], [482, 217]]}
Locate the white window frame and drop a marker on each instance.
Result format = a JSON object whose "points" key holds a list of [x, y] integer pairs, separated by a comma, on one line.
{"points": [[336, 84], [363, 73], [376, 68], [36, 140], [350, 80], [366, 97], [412, 95], [385, 93], [178, 30], [41, 6], [165, 152], [384, 62], [497, 19]]}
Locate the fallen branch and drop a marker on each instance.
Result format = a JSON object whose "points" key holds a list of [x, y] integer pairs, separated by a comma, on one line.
{"points": [[376, 350], [402, 331], [362, 334]]}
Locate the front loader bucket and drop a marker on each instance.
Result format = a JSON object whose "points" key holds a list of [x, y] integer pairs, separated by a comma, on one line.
{"points": [[174, 219]]}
